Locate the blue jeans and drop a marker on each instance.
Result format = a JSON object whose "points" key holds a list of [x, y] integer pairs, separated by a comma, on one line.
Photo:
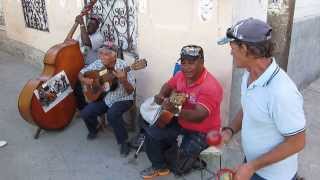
{"points": [[257, 177], [158, 140], [114, 116]]}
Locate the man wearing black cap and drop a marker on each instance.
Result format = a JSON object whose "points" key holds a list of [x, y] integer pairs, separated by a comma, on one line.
{"points": [[271, 118], [198, 115]]}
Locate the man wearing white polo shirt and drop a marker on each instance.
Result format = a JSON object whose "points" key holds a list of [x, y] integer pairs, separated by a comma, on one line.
{"points": [[271, 118]]}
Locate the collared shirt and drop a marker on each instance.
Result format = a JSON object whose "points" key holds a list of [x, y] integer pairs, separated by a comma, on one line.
{"points": [[272, 109], [205, 91], [120, 93], [91, 54]]}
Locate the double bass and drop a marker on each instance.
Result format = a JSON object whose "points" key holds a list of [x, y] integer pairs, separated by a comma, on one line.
{"points": [[65, 57]]}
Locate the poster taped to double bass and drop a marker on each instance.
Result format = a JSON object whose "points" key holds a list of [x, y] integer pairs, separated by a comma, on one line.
{"points": [[53, 91]]}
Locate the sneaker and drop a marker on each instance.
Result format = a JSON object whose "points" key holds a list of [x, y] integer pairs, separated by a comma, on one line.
{"points": [[92, 136], [151, 172], [124, 149], [3, 143]]}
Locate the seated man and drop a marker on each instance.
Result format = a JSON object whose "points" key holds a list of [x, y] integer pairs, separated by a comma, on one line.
{"points": [[115, 103], [199, 114], [90, 41]]}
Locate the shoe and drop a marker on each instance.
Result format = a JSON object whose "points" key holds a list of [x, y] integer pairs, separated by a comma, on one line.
{"points": [[151, 172], [124, 149], [3, 143], [92, 136]]}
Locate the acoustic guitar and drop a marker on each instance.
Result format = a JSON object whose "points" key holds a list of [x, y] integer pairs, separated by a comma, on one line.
{"points": [[105, 81], [165, 116]]}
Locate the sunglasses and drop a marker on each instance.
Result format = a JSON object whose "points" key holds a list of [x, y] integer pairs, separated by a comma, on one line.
{"points": [[195, 51]]}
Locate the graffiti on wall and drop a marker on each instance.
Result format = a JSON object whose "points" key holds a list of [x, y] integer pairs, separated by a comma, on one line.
{"points": [[119, 22], [35, 14]]}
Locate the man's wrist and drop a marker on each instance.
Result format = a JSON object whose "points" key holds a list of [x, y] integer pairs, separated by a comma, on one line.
{"points": [[227, 128]]}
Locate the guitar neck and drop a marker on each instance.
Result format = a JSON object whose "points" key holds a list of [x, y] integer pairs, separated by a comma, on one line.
{"points": [[127, 69]]}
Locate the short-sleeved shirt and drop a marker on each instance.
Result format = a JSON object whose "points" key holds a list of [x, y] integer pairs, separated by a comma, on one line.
{"points": [[272, 109], [91, 54], [119, 94], [205, 91]]}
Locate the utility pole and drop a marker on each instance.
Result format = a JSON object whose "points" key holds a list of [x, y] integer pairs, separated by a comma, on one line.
{"points": [[280, 17]]}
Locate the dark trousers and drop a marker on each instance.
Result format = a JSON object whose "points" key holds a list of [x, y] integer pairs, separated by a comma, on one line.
{"points": [[80, 99], [158, 140], [114, 116]]}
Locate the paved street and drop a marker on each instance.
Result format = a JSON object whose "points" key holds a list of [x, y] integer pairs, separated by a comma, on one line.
{"points": [[68, 155]]}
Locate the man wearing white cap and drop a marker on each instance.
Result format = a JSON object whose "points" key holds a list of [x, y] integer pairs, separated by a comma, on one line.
{"points": [[271, 118]]}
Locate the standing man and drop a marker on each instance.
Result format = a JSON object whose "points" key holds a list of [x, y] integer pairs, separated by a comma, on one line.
{"points": [[90, 41], [271, 118], [198, 115], [116, 101]]}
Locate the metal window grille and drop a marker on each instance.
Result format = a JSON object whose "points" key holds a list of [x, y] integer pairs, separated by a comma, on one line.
{"points": [[2, 21], [118, 22], [35, 14]]}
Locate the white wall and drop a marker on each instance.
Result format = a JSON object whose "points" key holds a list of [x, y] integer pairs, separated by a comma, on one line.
{"points": [[165, 26], [61, 15]]}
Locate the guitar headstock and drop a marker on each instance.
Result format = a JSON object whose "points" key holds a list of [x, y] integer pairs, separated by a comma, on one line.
{"points": [[139, 64]]}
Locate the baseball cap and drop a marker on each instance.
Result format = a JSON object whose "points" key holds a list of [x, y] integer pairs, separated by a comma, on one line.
{"points": [[191, 52], [248, 30]]}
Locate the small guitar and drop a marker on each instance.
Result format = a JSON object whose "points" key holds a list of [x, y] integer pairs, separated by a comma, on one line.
{"points": [[177, 100], [105, 81]]}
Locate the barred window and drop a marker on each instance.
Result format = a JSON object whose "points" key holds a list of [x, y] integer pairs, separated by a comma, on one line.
{"points": [[2, 21], [35, 14]]}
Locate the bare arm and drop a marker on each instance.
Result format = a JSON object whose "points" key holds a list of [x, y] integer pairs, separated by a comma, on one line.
{"points": [[123, 79], [198, 114], [127, 86], [290, 146], [235, 125], [165, 91], [83, 32]]}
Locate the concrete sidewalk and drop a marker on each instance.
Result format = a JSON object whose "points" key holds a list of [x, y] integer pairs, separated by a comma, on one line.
{"points": [[68, 155]]}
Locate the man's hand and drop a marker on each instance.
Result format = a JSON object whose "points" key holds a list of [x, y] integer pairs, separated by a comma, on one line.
{"points": [[79, 20], [226, 136], [120, 74], [158, 99], [87, 81], [167, 105], [244, 172]]}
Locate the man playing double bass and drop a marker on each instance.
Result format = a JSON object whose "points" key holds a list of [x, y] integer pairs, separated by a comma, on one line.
{"points": [[115, 103], [90, 40], [199, 114]]}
